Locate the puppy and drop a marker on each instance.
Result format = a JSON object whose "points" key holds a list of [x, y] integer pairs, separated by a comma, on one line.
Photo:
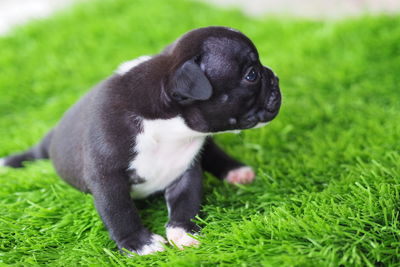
{"points": [[147, 129]]}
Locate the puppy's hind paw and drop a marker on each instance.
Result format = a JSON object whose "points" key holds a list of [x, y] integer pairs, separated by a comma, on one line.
{"points": [[179, 237], [242, 175]]}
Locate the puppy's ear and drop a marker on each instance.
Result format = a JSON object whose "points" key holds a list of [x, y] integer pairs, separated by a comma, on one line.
{"points": [[189, 83]]}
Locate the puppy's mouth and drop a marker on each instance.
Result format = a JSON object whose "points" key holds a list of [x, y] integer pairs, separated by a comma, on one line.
{"points": [[267, 112], [258, 116]]}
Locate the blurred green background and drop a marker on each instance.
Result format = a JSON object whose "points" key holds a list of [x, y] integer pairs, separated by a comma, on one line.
{"points": [[327, 188]]}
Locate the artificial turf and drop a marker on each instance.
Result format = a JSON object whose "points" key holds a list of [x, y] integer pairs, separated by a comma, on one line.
{"points": [[328, 188]]}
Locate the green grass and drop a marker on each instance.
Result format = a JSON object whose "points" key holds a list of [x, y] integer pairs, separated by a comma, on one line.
{"points": [[328, 178]]}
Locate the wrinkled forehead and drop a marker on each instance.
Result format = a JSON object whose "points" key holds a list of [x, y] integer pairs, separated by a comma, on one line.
{"points": [[225, 56]]}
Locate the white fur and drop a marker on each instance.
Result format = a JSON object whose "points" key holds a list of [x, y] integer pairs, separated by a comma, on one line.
{"points": [[164, 150], [156, 245], [179, 237], [128, 65], [260, 124], [229, 131], [2, 162]]}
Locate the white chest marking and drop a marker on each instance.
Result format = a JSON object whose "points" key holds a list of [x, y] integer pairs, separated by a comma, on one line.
{"points": [[164, 150], [128, 65]]}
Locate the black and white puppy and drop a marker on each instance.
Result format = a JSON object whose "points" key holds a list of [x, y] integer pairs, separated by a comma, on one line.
{"points": [[147, 129]]}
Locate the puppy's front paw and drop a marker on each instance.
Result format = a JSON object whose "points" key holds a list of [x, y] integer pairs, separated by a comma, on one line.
{"points": [[242, 175], [155, 245], [179, 237]]}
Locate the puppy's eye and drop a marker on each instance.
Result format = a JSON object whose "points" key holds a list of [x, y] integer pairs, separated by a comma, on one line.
{"points": [[252, 75]]}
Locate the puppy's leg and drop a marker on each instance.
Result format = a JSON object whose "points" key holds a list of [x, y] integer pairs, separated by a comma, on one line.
{"points": [[183, 200], [111, 194], [224, 167]]}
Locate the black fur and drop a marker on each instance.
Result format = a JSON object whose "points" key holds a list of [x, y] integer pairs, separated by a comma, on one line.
{"points": [[184, 199], [200, 77]]}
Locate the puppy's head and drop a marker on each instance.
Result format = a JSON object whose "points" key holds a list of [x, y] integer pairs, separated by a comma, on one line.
{"points": [[218, 82]]}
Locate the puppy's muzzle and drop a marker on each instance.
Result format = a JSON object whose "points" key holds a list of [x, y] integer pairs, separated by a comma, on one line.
{"points": [[269, 102], [272, 102]]}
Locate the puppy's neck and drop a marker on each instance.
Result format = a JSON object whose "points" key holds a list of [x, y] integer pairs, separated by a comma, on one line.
{"points": [[174, 129], [140, 91]]}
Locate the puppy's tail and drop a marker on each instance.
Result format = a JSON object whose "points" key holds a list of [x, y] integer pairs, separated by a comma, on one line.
{"points": [[39, 151]]}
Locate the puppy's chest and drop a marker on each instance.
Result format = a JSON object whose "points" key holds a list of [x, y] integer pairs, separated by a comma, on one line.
{"points": [[164, 150]]}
